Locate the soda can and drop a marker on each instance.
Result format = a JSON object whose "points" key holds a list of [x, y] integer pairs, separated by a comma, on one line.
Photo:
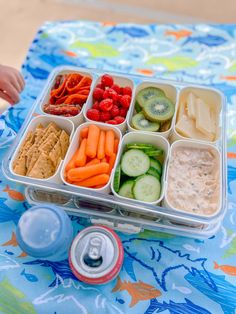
{"points": [[96, 255]]}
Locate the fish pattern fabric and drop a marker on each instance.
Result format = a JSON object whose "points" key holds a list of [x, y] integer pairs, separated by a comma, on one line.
{"points": [[161, 272]]}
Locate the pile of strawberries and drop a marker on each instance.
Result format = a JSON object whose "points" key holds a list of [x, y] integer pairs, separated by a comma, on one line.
{"points": [[110, 101]]}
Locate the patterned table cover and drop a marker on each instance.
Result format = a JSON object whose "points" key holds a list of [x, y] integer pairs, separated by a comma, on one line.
{"points": [[162, 273]]}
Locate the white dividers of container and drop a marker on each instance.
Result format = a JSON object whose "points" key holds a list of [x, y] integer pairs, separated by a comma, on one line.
{"points": [[64, 124], [121, 81], [198, 145], [145, 138], [211, 96], [170, 91], [74, 146], [79, 118]]}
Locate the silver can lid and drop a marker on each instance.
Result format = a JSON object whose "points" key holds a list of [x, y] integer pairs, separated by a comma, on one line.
{"points": [[96, 252]]}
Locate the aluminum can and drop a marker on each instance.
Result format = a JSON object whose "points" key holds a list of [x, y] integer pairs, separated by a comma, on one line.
{"points": [[96, 255]]}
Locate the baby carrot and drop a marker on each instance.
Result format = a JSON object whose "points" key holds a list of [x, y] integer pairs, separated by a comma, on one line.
{"points": [[84, 133], [109, 144], [99, 186], [92, 141], [116, 143], [100, 179], [105, 159], [101, 145], [81, 157], [87, 171], [93, 162], [71, 163], [112, 162]]}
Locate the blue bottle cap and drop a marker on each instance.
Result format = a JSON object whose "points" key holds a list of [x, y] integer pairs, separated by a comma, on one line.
{"points": [[43, 230]]}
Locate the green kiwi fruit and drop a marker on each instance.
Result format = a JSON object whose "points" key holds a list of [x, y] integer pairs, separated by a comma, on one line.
{"points": [[159, 109], [138, 108], [147, 93], [139, 122]]}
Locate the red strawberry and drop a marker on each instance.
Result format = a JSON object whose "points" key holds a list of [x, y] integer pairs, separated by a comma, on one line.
{"points": [[96, 105], [104, 116], [93, 114], [125, 101], [111, 122], [127, 91], [98, 94], [107, 80], [115, 111], [123, 112], [119, 119], [116, 88], [106, 104]]}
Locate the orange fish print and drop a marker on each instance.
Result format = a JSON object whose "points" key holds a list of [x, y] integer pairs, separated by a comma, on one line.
{"points": [[227, 269], [229, 78], [139, 291], [107, 23], [15, 195], [69, 53], [231, 155], [12, 241], [23, 254], [145, 71], [182, 33]]}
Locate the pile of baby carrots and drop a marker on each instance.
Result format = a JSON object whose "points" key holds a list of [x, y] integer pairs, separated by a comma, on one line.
{"points": [[92, 163]]}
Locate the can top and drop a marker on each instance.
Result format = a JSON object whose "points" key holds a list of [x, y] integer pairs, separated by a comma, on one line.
{"points": [[94, 252], [41, 230]]}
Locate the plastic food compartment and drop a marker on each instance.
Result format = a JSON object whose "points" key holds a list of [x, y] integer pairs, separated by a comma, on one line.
{"points": [[104, 207]]}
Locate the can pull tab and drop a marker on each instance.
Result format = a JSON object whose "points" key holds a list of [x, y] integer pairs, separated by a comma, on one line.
{"points": [[92, 257]]}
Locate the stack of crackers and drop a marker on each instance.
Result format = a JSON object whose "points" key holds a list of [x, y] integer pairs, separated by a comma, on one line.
{"points": [[41, 152]]}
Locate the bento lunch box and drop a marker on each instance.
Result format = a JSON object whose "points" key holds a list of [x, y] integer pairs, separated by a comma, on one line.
{"points": [[87, 202]]}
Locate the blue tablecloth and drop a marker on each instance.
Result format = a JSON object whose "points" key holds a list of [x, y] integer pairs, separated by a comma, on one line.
{"points": [[162, 273]]}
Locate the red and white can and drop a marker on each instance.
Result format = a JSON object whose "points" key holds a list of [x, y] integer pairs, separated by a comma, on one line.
{"points": [[96, 255]]}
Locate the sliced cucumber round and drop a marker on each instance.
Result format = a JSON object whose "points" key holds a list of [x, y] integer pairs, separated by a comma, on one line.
{"points": [[135, 163], [126, 189], [117, 176], [152, 171], [156, 164], [154, 152], [147, 93], [147, 188], [140, 146]]}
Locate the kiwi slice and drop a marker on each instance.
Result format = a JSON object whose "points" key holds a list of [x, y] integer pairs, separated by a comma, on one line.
{"points": [[147, 93], [159, 109], [139, 122]]}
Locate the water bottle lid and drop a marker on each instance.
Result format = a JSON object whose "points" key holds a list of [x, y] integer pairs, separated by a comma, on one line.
{"points": [[41, 230]]}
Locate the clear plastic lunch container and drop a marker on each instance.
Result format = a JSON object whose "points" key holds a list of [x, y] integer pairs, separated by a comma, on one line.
{"points": [[105, 207]]}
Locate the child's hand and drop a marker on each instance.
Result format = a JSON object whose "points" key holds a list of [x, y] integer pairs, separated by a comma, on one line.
{"points": [[11, 84]]}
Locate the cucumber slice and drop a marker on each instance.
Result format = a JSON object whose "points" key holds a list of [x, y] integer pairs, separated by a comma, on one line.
{"points": [[156, 164], [135, 163], [116, 184], [152, 171], [140, 146], [126, 189], [154, 152], [147, 188]]}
